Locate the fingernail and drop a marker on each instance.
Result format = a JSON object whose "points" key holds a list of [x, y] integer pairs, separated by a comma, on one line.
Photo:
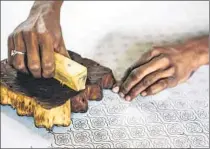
{"points": [[121, 94], [127, 98], [143, 93], [116, 89]]}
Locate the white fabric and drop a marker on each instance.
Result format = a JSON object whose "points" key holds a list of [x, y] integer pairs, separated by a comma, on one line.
{"points": [[115, 34]]}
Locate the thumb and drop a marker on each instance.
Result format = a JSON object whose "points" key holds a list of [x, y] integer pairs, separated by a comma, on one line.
{"points": [[61, 49]]}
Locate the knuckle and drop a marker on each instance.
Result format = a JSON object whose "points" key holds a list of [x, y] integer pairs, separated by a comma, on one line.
{"points": [[134, 75], [19, 41], [27, 33], [150, 91], [163, 83], [27, 27], [124, 89], [14, 36], [146, 82], [154, 52], [46, 38], [29, 36], [134, 93], [34, 67], [20, 66], [48, 70], [155, 76], [48, 66], [165, 59]]}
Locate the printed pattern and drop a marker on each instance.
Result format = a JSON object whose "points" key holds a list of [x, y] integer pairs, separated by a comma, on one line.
{"points": [[176, 118]]}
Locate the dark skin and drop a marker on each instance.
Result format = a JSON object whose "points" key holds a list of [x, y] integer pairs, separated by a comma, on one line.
{"points": [[40, 35], [163, 67]]}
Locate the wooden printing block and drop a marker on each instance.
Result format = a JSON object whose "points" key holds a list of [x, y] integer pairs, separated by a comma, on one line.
{"points": [[49, 102]]}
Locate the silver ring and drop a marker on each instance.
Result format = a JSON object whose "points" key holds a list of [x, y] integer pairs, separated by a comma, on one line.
{"points": [[14, 52]]}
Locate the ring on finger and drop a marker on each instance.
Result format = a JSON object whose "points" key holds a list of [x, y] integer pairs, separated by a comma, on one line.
{"points": [[14, 52]]}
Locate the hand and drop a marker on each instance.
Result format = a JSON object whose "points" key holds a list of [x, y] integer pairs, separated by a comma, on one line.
{"points": [[158, 69], [38, 37]]}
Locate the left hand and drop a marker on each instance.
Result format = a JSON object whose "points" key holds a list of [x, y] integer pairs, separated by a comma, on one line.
{"points": [[156, 70]]}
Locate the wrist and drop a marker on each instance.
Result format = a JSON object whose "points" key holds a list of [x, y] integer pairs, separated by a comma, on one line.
{"points": [[200, 49], [44, 7], [203, 55]]}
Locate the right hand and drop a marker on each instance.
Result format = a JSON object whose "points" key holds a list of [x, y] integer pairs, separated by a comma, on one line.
{"points": [[38, 37]]}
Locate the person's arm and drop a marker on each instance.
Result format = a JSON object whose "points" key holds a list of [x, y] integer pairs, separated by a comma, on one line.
{"points": [[201, 47], [163, 67], [38, 37]]}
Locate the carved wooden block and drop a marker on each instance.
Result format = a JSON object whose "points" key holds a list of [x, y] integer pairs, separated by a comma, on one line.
{"points": [[49, 102]]}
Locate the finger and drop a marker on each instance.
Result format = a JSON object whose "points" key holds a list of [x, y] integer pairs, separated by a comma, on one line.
{"points": [[165, 49], [149, 80], [159, 86], [139, 73], [116, 87], [62, 49], [33, 57], [18, 60], [11, 47], [144, 58], [64, 52], [47, 55], [59, 45], [148, 56]]}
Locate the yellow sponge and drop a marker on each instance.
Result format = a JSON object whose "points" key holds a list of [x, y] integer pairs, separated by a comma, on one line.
{"points": [[70, 73]]}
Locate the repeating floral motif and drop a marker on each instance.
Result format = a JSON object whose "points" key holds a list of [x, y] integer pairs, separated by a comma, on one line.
{"points": [[181, 142], [62, 139], [175, 118], [175, 129]]}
